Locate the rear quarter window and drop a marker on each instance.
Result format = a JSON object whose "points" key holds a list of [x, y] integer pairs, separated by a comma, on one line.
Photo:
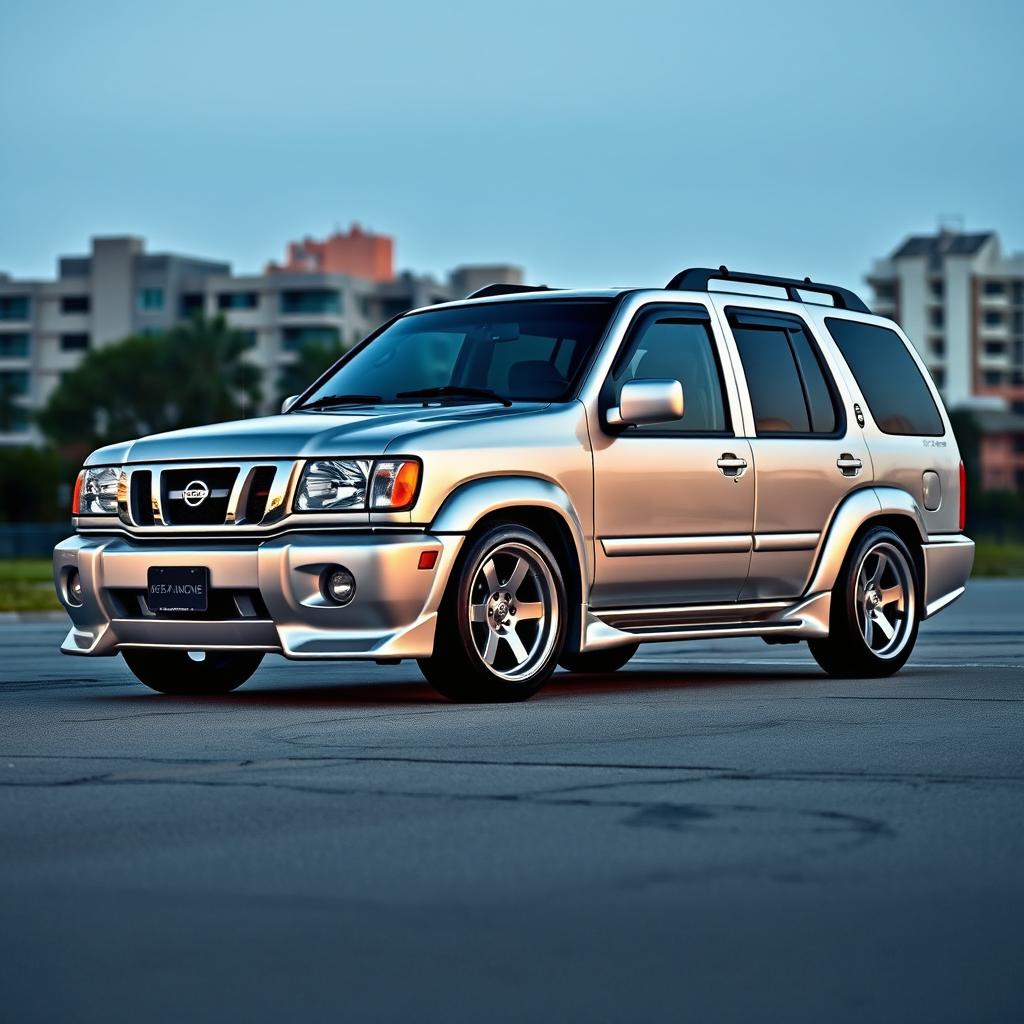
{"points": [[897, 395]]}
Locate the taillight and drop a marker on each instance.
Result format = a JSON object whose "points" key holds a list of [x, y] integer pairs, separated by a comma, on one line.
{"points": [[963, 498], [76, 498]]}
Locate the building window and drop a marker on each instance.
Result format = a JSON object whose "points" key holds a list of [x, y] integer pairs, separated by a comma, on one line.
{"points": [[885, 291], [293, 339], [191, 303], [995, 348], [993, 319], [250, 338], [238, 300], [936, 317], [151, 298], [939, 376], [994, 288], [74, 304], [74, 342], [14, 307], [938, 346], [310, 300], [14, 382], [993, 379], [936, 289], [14, 346]]}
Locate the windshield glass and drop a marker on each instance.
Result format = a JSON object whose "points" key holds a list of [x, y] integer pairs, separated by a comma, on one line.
{"points": [[520, 351]]}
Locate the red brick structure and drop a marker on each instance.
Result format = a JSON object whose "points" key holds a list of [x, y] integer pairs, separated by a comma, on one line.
{"points": [[356, 252]]}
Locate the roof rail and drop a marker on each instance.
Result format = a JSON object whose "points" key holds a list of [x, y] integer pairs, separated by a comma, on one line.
{"points": [[696, 279], [507, 289]]}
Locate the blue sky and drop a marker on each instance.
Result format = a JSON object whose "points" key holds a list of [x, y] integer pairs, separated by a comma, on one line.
{"points": [[594, 143]]}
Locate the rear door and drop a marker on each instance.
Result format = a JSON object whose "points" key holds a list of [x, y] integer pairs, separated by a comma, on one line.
{"points": [[808, 450]]}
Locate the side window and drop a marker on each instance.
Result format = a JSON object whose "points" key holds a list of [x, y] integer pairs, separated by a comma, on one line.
{"points": [[788, 388], [893, 387], [675, 344]]}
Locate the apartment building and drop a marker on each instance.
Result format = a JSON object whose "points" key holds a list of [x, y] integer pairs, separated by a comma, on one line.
{"points": [[119, 289], [960, 300]]}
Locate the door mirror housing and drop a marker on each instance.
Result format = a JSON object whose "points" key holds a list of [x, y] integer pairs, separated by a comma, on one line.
{"points": [[647, 401], [289, 402]]}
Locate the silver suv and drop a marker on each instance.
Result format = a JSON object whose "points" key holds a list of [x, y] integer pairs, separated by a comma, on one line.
{"points": [[531, 478]]}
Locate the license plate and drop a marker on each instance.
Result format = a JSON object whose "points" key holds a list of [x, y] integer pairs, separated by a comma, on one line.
{"points": [[178, 589]]}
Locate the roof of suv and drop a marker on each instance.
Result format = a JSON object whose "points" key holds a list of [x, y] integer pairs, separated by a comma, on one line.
{"points": [[694, 280]]}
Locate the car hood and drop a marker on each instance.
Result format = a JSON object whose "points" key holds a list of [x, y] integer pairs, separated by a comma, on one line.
{"points": [[307, 434]]}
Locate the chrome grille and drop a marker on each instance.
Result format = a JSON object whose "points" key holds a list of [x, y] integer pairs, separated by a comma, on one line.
{"points": [[203, 495]]}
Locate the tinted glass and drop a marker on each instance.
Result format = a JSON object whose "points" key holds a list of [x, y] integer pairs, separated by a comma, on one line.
{"points": [[773, 380], [528, 349], [819, 397], [893, 387], [674, 348]]}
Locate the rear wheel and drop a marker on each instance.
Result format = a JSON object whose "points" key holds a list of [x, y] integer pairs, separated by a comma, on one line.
{"points": [[875, 610], [502, 625], [599, 662], [182, 673]]}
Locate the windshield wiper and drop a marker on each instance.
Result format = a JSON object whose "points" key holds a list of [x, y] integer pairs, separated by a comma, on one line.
{"points": [[455, 390], [327, 401]]}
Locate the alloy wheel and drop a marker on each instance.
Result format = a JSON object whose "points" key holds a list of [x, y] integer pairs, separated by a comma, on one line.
{"points": [[513, 611], [884, 599]]}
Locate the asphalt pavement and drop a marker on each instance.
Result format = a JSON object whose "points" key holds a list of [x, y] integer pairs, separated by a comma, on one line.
{"points": [[717, 833]]}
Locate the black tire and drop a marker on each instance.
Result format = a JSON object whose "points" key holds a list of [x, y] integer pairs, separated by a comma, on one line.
{"points": [[877, 592], [502, 572], [174, 672], [599, 662]]}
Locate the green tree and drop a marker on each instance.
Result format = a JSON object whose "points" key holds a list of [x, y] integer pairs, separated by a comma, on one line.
{"points": [[312, 360], [192, 375]]}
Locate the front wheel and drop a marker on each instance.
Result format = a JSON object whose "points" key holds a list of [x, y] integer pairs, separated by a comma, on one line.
{"points": [[178, 673], [502, 624], [875, 610]]}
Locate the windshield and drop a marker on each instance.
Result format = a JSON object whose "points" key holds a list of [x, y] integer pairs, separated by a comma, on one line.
{"points": [[501, 351]]}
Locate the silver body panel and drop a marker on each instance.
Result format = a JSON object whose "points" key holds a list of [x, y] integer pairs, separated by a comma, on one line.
{"points": [[667, 544]]}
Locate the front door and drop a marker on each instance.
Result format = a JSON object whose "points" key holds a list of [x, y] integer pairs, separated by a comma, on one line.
{"points": [[673, 502]]}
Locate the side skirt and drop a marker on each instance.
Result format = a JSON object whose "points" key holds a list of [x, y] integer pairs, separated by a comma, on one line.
{"points": [[615, 627]]}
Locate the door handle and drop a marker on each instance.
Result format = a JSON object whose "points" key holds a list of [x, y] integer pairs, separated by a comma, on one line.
{"points": [[731, 465], [849, 465]]}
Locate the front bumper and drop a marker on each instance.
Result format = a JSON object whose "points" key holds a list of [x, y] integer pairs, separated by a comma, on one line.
{"points": [[268, 595]]}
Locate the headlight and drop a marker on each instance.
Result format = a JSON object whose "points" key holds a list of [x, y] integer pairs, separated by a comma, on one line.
{"points": [[333, 485], [96, 491], [394, 484]]}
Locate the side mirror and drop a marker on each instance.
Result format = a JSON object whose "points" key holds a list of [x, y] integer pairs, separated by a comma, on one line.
{"points": [[289, 402], [647, 401]]}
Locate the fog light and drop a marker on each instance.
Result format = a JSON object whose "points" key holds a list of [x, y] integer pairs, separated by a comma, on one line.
{"points": [[76, 592], [339, 585]]}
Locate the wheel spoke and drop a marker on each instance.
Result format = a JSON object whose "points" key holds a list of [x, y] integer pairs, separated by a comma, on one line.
{"points": [[869, 629], [530, 610], [888, 630], [478, 612], [518, 575], [490, 575], [883, 561], [491, 650], [888, 595], [518, 650]]}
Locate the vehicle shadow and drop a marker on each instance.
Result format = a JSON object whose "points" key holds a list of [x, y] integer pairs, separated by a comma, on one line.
{"points": [[372, 691]]}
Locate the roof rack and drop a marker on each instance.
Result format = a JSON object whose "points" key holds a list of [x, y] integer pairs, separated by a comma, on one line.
{"points": [[696, 279], [507, 289]]}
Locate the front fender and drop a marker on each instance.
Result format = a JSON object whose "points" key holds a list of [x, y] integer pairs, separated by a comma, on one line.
{"points": [[469, 504], [852, 513]]}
